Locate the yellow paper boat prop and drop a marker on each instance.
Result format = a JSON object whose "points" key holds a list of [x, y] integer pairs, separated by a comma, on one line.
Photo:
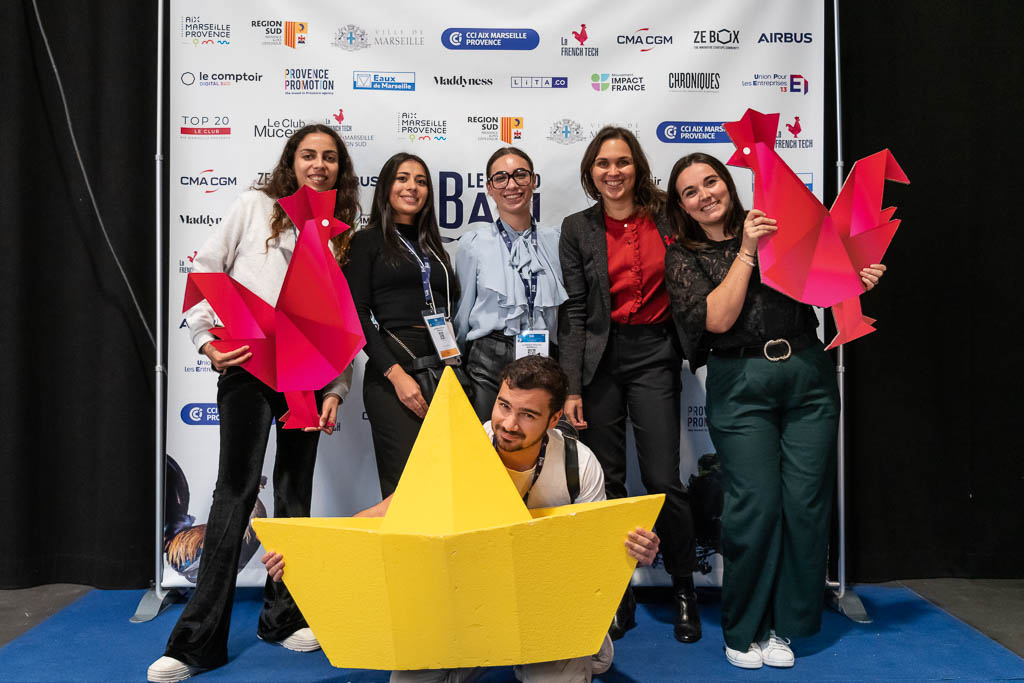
{"points": [[459, 572]]}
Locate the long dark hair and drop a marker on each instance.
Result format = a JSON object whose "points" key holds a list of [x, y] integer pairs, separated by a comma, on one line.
{"points": [[647, 196], [282, 183], [687, 230], [382, 218]]}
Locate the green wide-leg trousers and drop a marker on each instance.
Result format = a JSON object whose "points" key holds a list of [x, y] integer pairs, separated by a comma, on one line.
{"points": [[774, 425]]}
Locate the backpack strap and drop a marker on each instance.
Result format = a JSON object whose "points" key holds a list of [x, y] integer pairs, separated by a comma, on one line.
{"points": [[572, 467]]}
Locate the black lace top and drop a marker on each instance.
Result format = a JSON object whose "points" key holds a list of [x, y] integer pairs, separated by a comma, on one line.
{"points": [[766, 314]]}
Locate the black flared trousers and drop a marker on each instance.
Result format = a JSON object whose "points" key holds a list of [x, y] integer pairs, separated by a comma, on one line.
{"points": [[247, 407]]}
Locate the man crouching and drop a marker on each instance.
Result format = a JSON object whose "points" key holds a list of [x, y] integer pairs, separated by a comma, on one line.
{"points": [[548, 469]]}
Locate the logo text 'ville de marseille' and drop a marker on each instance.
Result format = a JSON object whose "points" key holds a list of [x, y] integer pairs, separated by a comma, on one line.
{"points": [[566, 132]]}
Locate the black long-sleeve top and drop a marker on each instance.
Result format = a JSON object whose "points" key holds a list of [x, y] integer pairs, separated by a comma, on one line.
{"points": [[766, 314], [390, 289]]}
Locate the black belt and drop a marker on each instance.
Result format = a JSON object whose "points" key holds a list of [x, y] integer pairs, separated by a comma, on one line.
{"points": [[500, 336], [773, 349]]}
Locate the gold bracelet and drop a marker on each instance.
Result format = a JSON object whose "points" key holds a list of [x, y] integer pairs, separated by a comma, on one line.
{"points": [[750, 256]]}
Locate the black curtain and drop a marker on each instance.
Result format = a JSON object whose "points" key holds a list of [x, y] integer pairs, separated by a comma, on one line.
{"points": [[77, 366], [935, 477], [936, 470]]}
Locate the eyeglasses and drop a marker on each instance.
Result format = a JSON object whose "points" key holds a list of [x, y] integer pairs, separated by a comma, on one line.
{"points": [[522, 177]]}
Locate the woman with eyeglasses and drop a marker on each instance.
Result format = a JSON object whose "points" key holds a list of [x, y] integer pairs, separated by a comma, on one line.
{"points": [[620, 350], [510, 279], [400, 275]]}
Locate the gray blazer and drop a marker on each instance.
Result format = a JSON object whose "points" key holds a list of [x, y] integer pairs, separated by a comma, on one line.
{"points": [[585, 317]]}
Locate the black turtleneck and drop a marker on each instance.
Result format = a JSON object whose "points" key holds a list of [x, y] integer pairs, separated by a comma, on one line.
{"points": [[389, 287]]}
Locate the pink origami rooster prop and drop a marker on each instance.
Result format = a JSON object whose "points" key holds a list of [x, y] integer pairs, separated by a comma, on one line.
{"points": [[816, 255], [312, 334]]}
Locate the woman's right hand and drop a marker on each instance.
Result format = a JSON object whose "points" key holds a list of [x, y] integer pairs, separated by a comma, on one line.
{"points": [[408, 391], [221, 361], [573, 411], [755, 226]]}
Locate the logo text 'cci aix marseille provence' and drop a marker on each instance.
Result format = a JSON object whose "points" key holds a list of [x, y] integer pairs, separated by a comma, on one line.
{"points": [[490, 38], [692, 131]]}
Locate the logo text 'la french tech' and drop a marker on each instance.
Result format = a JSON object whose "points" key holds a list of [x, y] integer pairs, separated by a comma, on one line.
{"points": [[490, 38]]}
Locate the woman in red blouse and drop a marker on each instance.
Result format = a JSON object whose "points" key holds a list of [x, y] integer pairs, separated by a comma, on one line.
{"points": [[620, 351]]}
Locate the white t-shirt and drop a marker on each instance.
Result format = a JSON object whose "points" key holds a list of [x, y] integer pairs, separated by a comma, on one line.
{"points": [[551, 489]]}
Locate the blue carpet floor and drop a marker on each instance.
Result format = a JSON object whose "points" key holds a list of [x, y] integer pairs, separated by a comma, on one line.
{"points": [[910, 639]]}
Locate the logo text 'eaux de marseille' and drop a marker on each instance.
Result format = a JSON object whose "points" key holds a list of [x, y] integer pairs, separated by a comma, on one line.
{"points": [[384, 80]]}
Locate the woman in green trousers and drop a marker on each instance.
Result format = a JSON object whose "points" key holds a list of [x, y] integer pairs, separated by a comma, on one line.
{"points": [[773, 412]]}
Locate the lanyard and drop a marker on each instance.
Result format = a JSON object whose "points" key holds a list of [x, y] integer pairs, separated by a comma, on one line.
{"points": [[536, 468], [424, 265], [531, 284]]}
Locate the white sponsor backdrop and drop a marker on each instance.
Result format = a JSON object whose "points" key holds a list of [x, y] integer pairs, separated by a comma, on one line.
{"points": [[446, 82]]}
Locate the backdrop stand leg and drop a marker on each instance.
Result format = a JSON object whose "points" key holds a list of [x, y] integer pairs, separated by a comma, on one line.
{"points": [[156, 598], [848, 603], [153, 603], [838, 596]]}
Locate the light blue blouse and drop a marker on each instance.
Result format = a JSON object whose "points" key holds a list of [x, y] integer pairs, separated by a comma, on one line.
{"points": [[491, 278]]}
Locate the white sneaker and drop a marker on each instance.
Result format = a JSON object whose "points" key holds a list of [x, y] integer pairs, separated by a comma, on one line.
{"points": [[751, 659], [302, 640], [170, 670], [601, 661], [775, 651]]}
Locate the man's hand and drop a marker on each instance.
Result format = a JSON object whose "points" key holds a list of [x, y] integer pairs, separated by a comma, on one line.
{"points": [[643, 545], [274, 564], [573, 411]]}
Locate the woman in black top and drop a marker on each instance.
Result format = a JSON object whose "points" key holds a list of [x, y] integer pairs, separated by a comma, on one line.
{"points": [[386, 265], [773, 412]]}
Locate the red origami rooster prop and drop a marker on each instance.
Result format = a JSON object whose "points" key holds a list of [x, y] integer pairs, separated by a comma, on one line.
{"points": [[816, 255], [312, 334]]}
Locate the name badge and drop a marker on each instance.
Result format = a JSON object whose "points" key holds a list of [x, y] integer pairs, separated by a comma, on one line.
{"points": [[442, 334], [532, 343]]}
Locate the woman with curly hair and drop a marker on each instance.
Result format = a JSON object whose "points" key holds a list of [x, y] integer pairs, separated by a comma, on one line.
{"points": [[254, 245]]}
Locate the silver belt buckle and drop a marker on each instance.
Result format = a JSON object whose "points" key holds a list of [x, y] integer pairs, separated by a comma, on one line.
{"points": [[776, 359]]}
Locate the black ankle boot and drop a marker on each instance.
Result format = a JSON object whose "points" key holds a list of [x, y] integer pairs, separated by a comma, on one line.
{"points": [[687, 624], [625, 616]]}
